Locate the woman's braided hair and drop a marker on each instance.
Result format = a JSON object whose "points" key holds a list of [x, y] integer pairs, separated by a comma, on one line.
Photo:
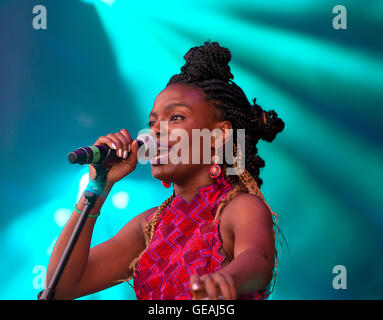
{"points": [[207, 68]]}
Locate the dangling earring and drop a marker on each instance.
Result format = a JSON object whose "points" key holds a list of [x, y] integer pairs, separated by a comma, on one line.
{"points": [[166, 184], [214, 169]]}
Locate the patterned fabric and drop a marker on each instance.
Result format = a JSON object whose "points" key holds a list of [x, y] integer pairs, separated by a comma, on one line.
{"points": [[185, 242]]}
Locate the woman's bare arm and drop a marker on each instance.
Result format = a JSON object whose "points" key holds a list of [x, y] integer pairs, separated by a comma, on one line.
{"points": [[250, 221], [109, 261], [252, 225], [91, 270]]}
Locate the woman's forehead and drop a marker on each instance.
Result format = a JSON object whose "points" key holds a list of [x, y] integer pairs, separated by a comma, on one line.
{"points": [[181, 93]]}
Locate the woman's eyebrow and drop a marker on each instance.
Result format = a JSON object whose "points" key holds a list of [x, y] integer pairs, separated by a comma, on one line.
{"points": [[171, 105]]}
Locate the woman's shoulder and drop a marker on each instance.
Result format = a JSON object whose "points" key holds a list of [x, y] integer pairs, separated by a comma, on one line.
{"points": [[243, 198], [245, 206], [143, 218]]}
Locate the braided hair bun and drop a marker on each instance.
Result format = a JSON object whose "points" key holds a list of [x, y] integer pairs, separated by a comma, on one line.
{"points": [[268, 123], [207, 62]]}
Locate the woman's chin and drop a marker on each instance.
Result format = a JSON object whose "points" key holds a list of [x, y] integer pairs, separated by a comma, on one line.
{"points": [[163, 172]]}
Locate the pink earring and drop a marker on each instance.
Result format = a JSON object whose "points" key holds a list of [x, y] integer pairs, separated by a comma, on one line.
{"points": [[214, 169], [166, 184]]}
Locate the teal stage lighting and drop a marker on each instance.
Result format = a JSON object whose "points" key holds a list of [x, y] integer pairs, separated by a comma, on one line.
{"points": [[98, 68]]}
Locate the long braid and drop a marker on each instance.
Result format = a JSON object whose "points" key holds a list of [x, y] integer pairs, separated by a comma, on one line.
{"points": [[247, 180], [246, 183]]}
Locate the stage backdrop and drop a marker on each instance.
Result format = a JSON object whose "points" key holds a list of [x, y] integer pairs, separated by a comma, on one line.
{"points": [[97, 68]]}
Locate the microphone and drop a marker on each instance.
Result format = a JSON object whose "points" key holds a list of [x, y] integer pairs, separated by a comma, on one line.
{"points": [[99, 154]]}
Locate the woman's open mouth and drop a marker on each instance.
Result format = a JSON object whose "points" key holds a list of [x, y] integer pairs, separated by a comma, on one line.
{"points": [[162, 157]]}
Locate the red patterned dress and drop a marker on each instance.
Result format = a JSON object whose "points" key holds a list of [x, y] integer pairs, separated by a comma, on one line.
{"points": [[184, 243]]}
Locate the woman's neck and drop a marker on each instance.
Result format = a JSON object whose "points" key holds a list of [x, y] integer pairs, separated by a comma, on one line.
{"points": [[189, 187]]}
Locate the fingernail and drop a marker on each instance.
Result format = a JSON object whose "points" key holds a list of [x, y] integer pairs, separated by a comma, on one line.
{"points": [[119, 153], [195, 286], [114, 146], [125, 154]]}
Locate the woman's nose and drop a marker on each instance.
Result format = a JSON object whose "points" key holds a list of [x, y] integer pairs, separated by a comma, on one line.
{"points": [[160, 128]]}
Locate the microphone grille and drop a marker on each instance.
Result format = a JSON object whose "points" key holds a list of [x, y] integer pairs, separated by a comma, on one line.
{"points": [[148, 140], [72, 157]]}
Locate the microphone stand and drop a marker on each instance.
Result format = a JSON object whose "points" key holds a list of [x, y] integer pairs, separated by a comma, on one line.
{"points": [[49, 292]]}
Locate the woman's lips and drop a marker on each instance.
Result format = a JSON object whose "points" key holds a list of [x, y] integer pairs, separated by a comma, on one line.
{"points": [[160, 159], [162, 153]]}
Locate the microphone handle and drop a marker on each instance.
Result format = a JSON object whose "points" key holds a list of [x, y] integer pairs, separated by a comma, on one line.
{"points": [[97, 154]]}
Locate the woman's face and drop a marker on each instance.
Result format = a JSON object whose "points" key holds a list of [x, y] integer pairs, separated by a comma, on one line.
{"points": [[177, 110]]}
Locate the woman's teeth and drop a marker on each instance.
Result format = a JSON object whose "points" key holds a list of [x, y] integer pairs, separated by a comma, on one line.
{"points": [[162, 152]]}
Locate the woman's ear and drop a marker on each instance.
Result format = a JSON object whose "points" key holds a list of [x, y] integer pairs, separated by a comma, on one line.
{"points": [[222, 132]]}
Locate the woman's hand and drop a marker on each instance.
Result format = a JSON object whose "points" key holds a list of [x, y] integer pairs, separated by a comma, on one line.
{"points": [[213, 286], [125, 163]]}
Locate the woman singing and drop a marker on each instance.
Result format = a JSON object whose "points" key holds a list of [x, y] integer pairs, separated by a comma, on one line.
{"points": [[214, 238]]}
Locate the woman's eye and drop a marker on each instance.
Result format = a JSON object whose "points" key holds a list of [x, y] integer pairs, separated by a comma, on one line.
{"points": [[172, 118], [177, 117]]}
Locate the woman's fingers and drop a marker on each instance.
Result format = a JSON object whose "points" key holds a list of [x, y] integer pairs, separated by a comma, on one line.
{"points": [[223, 285], [196, 287], [210, 286], [230, 285], [111, 143], [120, 141], [116, 143], [213, 286], [203, 287], [125, 144], [126, 134]]}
